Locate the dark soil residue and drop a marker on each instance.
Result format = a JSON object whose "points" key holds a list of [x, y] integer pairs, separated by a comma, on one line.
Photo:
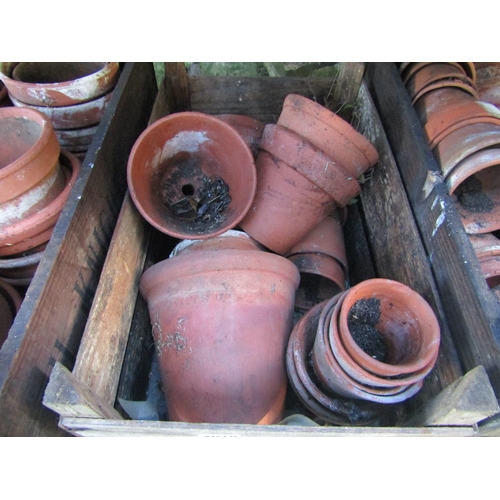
{"points": [[361, 320], [472, 198]]}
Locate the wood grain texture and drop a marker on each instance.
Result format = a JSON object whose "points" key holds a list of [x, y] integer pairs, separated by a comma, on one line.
{"points": [[51, 321], [472, 312]]}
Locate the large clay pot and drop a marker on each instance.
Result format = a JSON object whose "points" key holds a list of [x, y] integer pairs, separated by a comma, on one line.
{"points": [[221, 321], [39, 224], [287, 205], [58, 83], [475, 184], [319, 400], [29, 151], [407, 324], [10, 302], [329, 133], [292, 149], [175, 165], [81, 115]]}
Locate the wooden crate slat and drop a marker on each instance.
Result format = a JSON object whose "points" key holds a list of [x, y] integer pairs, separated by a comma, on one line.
{"points": [[50, 323]]}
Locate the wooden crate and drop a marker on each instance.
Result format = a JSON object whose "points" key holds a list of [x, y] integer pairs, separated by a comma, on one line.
{"points": [[115, 354], [49, 326]]}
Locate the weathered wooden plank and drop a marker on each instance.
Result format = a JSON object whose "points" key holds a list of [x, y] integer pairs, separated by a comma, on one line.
{"points": [[102, 349], [472, 312], [176, 84], [259, 97], [50, 323], [395, 242], [466, 401], [69, 397], [109, 428]]}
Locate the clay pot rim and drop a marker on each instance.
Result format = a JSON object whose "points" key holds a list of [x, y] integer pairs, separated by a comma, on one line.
{"points": [[75, 111], [386, 369], [356, 371], [16, 233], [26, 260], [446, 83], [107, 75], [132, 168], [46, 134], [330, 119], [485, 245], [377, 392], [28, 244]]}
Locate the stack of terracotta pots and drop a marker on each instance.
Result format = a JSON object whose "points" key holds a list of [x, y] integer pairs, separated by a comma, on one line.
{"points": [[463, 133], [375, 342], [36, 177], [73, 96], [247, 201]]}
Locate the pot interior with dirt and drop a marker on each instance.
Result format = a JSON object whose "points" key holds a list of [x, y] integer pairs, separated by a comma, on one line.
{"points": [[192, 176]]}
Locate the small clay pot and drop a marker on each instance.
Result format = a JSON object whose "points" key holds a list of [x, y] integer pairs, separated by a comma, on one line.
{"points": [[37, 224], [221, 321], [58, 83], [475, 182], [292, 149], [329, 133], [72, 117], [192, 176], [330, 407], [287, 205], [407, 324], [249, 128], [10, 302], [29, 151]]}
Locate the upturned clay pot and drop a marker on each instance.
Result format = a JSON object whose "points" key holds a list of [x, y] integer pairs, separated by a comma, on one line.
{"points": [[72, 117], [407, 325], [318, 399], [464, 142], [329, 133], [10, 302], [475, 184], [221, 321], [30, 229], [192, 176], [249, 128], [29, 151], [287, 205], [58, 83], [293, 150], [488, 84]]}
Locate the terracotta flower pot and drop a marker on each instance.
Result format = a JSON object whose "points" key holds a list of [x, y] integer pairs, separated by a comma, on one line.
{"points": [[293, 150], [287, 205], [221, 321], [42, 222], [249, 128], [10, 302], [488, 84], [58, 83], [29, 151], [463, 142], [329, 363], [487, 248], [77, 116], [74, 138], [331, 407], [329, 133], [475, 184], [33, 200], [321, 277], [407, 325], [192, 176], [407, 70], [430, 74]]}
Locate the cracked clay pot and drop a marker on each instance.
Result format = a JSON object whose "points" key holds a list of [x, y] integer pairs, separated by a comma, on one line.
{"points": [[221, 321]]}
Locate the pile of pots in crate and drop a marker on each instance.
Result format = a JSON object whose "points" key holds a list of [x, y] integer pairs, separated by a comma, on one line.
{"points": [[259, 211], [461, 119], [73, 96], [36, 177]]}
